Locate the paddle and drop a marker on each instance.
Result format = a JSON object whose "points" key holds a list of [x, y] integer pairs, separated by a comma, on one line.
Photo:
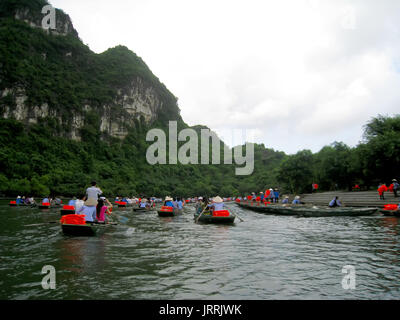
{"points": [[239, 217], [201, 214]]}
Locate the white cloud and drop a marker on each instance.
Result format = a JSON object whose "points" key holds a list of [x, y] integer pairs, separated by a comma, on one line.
{"points": [[299, 73]]}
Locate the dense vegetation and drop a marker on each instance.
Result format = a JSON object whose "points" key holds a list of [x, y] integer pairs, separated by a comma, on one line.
{"points": [[39, 159]]}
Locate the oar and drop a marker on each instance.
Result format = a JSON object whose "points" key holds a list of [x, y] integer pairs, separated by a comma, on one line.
{"points": [[239, 217], [201, 214], [40, 224]]}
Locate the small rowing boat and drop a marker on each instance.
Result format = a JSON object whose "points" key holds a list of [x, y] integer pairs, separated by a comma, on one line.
{"points": [[85, 230], [166, 211], [217, 217], [44, 205], [75, 225], [67, 210]]}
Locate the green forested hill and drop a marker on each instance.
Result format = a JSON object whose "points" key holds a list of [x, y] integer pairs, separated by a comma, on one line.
{"points": [[63, 73]]}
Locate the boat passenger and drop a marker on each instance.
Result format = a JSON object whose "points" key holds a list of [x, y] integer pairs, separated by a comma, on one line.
{"points": [[143, 203], [286, 200], [168, 202], [218, 204], [79, 203], [89, 210], [179, 203], [335, 203], [46, 200], [296, 200], [72, 202], [103, 207]]}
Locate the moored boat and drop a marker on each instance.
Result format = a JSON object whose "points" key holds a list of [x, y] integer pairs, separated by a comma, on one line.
{"points": [[217, 217], [310, 211]]}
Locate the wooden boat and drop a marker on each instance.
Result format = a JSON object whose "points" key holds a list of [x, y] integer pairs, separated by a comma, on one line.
{"points": [[44, 206], [141, 209], [217, 217], [310, 211], [273, 209], [86, 230], [67, 210], [167, 212], [335, 212]]}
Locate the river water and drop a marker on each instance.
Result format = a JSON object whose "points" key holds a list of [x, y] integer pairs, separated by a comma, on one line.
{"points": [[148, 257]]}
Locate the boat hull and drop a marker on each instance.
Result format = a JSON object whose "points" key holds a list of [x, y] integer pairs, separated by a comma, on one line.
{"points": [[304, 211], [66, 212], [86, 230], [209, 219], [175, 212]]}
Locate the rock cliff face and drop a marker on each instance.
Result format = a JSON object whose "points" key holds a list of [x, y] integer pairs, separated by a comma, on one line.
{"points": [[44, 68], [136, 101]]}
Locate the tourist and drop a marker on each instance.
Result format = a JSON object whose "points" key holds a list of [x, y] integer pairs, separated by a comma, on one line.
{"points": [[296, 200], [93, 192], [57, 201], [179, 203], [46, 200], [335, 203], [89, 210], [396, 187], [79, 203], [143, 203], [168, 202], [103, 207], [381, 190], [72, 202], [218, 204], [286, 200]]}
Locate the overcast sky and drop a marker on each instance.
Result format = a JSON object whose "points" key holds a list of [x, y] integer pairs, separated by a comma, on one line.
{"points": [[295, 74]]}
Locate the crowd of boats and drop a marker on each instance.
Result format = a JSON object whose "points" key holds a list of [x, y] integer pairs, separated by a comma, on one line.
{"points": [[87, 214]]}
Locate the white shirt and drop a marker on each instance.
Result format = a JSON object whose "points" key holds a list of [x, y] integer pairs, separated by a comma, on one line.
{"points": [[78, 204], [93, 192]]}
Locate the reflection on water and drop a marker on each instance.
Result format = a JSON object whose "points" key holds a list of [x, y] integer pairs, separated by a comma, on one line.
{"points": [[149, 257]]}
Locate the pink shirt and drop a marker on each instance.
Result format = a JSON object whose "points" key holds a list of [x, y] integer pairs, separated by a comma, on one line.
{"points": [[102, 214]]}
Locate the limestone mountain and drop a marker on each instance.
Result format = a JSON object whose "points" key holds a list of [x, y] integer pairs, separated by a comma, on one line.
{"points": [[51, 73]]}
